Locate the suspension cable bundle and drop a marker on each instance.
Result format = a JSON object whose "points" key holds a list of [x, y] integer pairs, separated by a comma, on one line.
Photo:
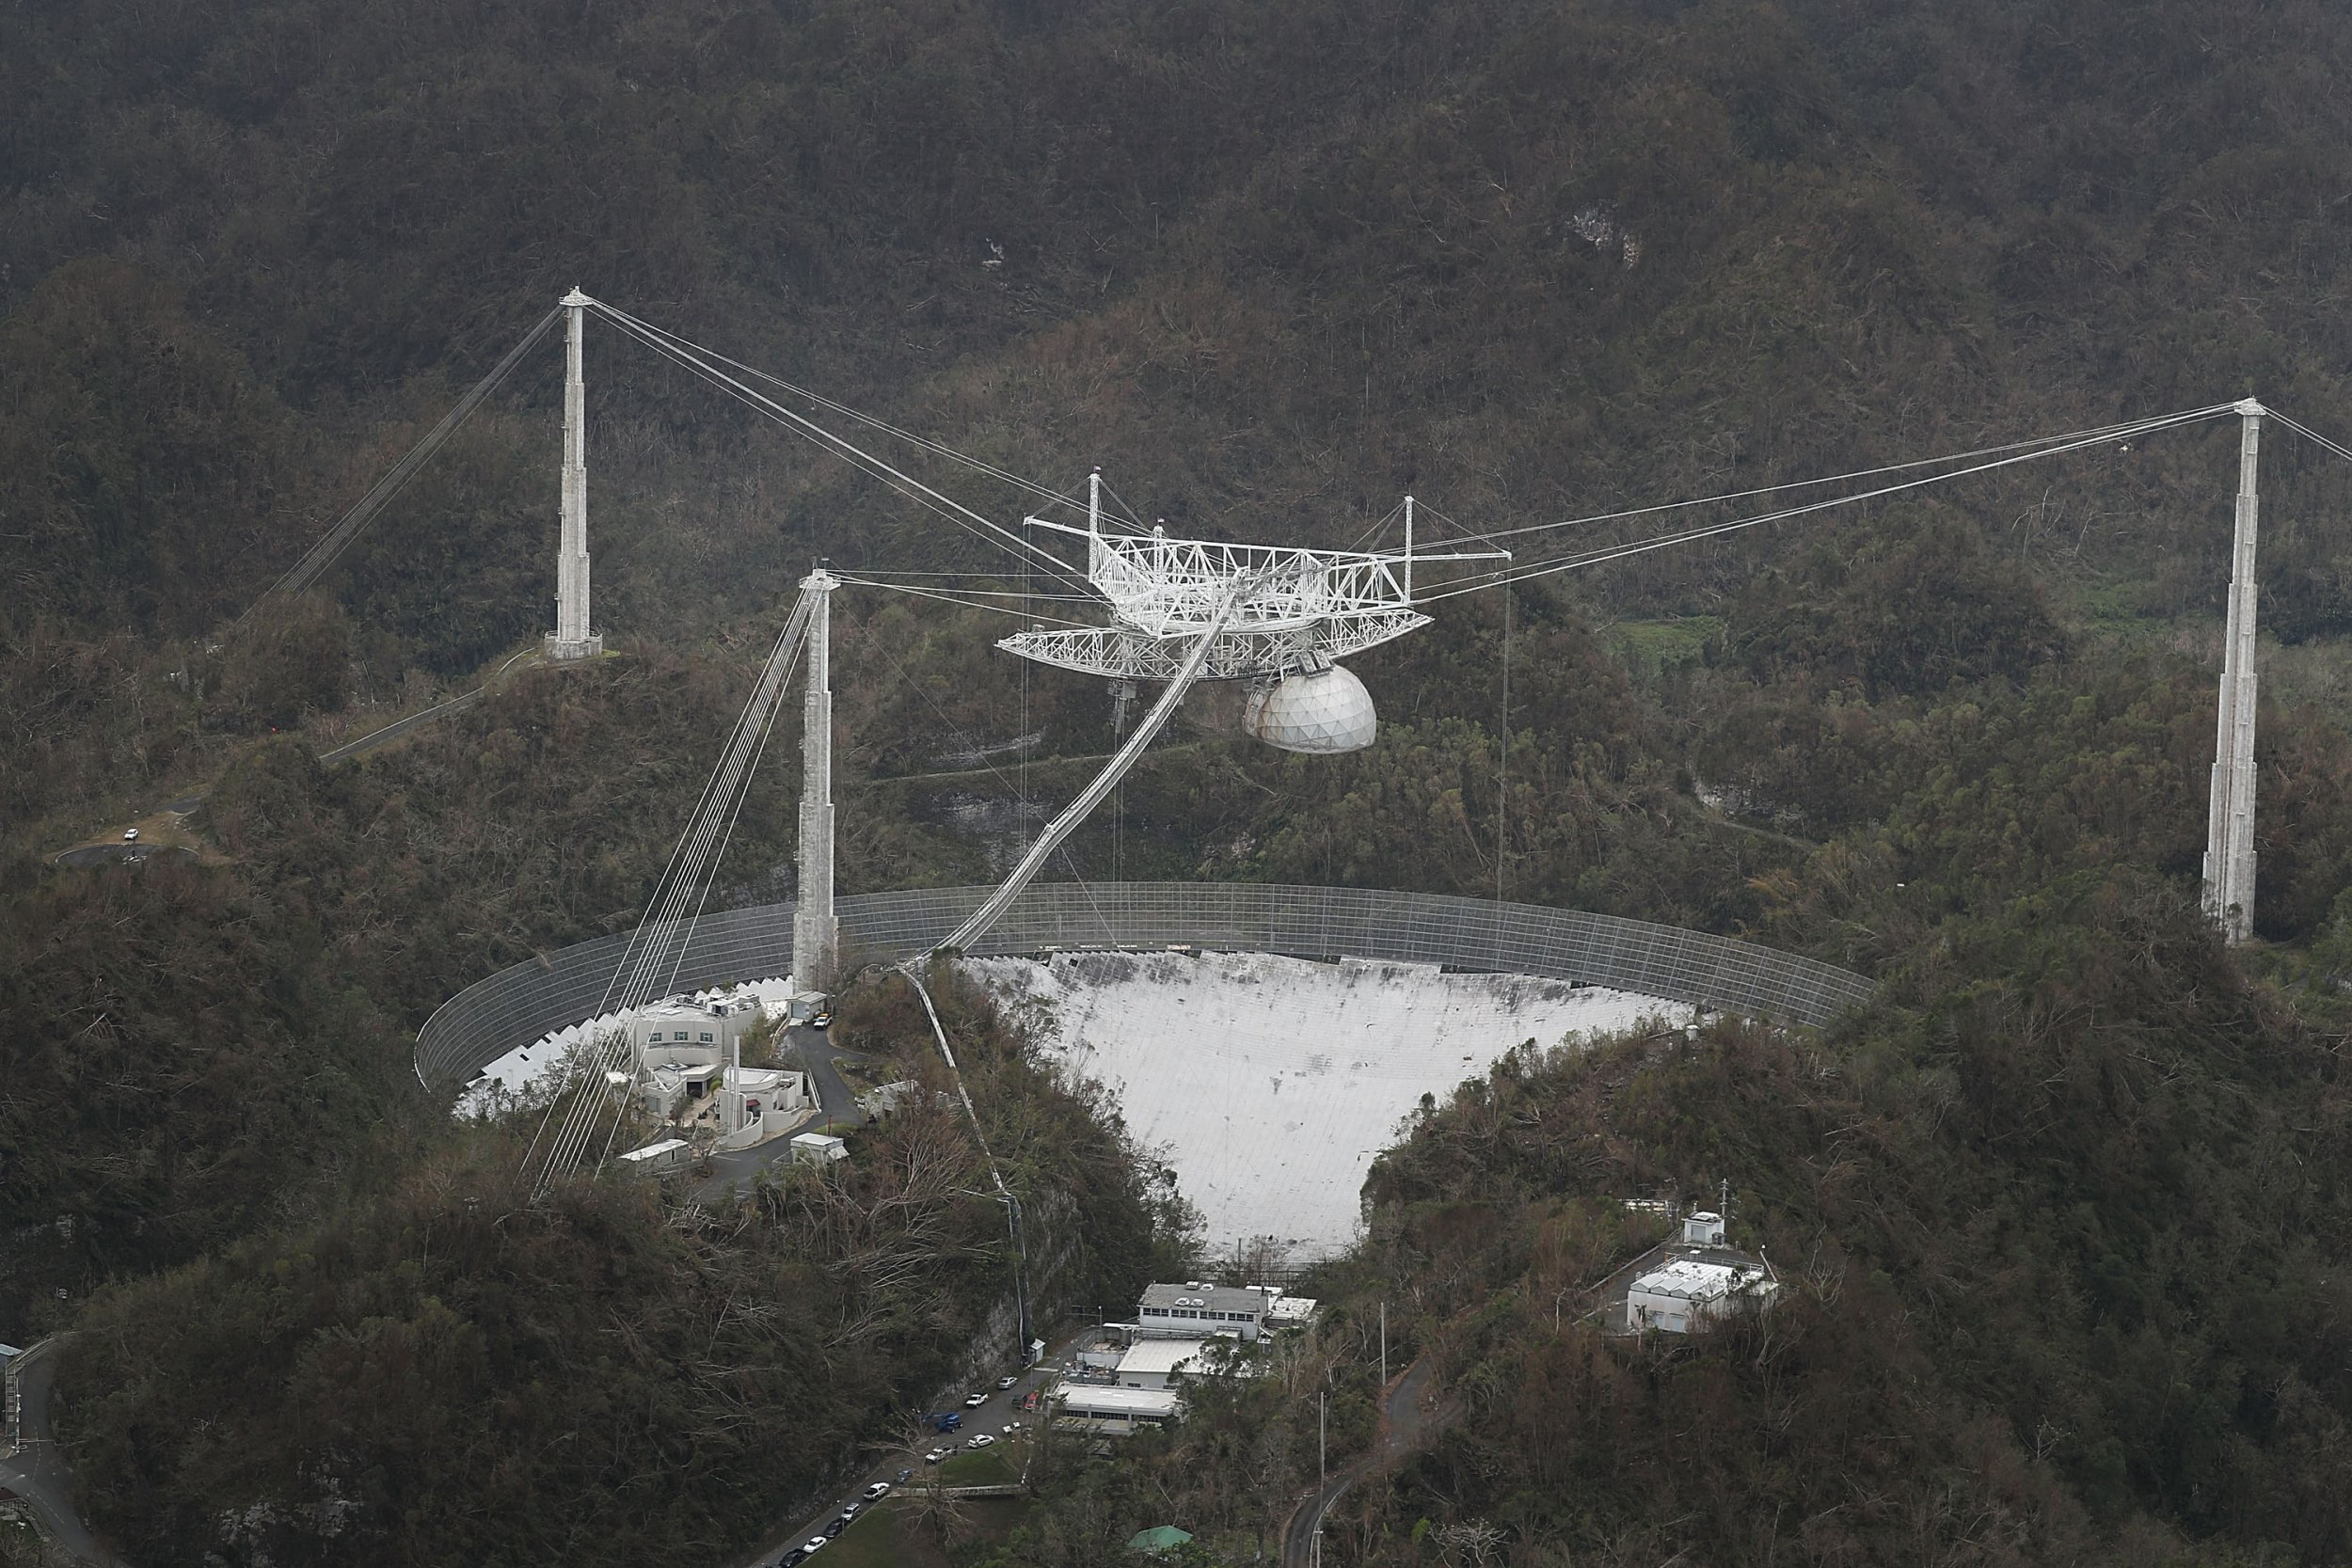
{"points": [[658, 946]]}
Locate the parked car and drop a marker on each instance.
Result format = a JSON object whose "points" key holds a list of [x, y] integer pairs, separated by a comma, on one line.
{"points": [[822, 1021], [851, 1511], [130, 835], [982, 1441], [792, 1559], [906, 1473], [836, 1528], [936, 1455], [875, 1491], [1005, 1383], [814, 1545], [973, 1401]]}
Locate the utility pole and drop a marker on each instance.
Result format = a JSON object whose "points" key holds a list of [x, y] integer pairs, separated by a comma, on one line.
{"points": [[1383, 1344], [572, 638], [816, 932], [2230, 817], [1323, 1441]]}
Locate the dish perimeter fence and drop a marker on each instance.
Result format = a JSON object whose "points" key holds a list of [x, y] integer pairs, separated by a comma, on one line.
{"points": [[532, 999]]}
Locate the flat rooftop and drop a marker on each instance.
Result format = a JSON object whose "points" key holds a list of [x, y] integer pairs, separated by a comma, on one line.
{"points": [[1213, 1299], [1159, 1357], [1086, 1399]]}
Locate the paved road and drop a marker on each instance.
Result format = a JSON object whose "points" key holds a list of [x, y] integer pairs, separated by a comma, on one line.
{"points": [[38, 1471], [990, 1418], [1403, 1424], [107, 854], [836, 1102]]}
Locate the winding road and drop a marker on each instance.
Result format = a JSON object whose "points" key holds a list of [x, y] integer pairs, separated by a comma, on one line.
{"points": [[35, 1470], [1403, 1424]]}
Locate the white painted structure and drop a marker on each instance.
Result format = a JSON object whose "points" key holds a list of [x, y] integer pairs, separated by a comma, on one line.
{"points": [[684, 1031], [1267, 610], [655, 1158], [1162, 1363], [572, 638], [1196, 1309], [1703, 1229], [2229, 808], [1284, 1310], [820, 1149], [1681, 1294], [1319, 711], [1090, 1407], [815, 931]]}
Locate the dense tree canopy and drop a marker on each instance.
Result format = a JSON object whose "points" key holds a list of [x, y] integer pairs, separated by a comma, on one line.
{"points": [[2055, 1208]]}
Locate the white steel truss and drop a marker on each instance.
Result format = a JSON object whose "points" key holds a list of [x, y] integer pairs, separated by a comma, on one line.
{"points": [[1283, 608]]}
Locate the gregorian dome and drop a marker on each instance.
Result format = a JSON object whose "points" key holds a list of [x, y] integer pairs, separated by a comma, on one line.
{"points": [[1319, 712]]}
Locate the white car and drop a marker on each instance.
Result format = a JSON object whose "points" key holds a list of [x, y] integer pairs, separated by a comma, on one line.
{"points": [[936, 1455], [973, 1401], [812, 1544], [982, 1441], [875, 1491], [1005, 1383], [130, 835]]}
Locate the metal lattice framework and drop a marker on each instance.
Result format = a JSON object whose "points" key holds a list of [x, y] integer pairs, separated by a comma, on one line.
{"points": [[1285, 609], [532, 999]]}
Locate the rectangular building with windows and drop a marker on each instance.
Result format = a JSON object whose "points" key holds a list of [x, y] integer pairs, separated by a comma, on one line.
{"points": [[1118, 1411], [1197, 1309]]}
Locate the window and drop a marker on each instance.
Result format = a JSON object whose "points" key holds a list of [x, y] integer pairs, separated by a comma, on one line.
{"points": [[705, 1036]]}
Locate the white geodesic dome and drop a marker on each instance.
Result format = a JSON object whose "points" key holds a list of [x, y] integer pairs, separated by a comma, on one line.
{"points": [[1319, 712]]}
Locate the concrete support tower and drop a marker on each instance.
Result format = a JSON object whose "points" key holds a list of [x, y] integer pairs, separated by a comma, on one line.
{"points": [[2230, 820], [572, 638], [816, 934]]}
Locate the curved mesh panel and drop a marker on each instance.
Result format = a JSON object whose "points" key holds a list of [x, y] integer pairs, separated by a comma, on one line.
{"points": [[529, 1000]]}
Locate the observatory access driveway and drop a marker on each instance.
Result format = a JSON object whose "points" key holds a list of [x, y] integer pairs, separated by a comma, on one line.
{"points": [[1408, 1415], [37, 1471], [837, 1105]]}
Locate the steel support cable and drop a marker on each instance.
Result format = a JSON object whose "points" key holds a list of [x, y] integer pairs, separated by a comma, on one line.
{"points": [[979, 1135], [825, 441], [2312, 435], [698, 871], [944, 597], [2073, 438], [1087, 799], [710, 881], [807, 430], [1522, 570], [915, 438], [840, 446], [953, 728], [322, 555], [1603, 554], [648, 939], [885, 578]]}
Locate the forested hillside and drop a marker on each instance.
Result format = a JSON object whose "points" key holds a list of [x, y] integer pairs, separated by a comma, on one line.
{"points": [[2057, 1210]]}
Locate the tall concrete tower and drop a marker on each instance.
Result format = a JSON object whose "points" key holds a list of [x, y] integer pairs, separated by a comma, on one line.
{"points": [[816, 933], [2230, 816], [572, 638]]}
